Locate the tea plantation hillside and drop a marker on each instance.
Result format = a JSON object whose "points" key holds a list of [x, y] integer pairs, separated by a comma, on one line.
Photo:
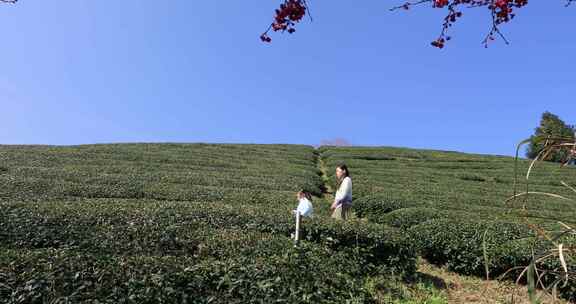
{"points": [[211, 223], [180, 223], [453, 204]]}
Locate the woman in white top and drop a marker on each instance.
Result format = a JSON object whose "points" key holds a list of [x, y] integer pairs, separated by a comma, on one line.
{"points": [[343, 199]]}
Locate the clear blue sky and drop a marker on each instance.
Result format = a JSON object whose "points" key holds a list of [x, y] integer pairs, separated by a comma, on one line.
{"points": [[86, 71]]}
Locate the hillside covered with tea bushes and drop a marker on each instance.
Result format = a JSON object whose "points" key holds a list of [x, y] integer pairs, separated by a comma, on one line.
{"points": [[212, 223], [456, 210], [180, 223]]}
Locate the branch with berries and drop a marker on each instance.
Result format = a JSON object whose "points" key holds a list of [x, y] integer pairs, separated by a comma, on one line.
{"points": [[502, 11], [289, 13]]}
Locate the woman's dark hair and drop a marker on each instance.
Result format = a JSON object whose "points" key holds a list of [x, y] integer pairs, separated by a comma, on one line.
{"points": [[344, 168]]}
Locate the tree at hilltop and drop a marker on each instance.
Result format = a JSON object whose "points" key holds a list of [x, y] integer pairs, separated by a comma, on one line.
{"points": [[551, 129]]}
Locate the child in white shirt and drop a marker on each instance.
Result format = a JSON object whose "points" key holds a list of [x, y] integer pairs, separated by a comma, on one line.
{"points": [[304, 204]]}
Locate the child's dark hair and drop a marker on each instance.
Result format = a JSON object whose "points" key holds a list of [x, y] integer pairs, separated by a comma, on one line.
{"points": [[306, 194]]}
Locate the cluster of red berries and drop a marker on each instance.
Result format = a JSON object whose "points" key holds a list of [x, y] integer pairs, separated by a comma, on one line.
{"points": [[439, 43], [440, 3], [290, 12], [452, 16], [503, 9]]}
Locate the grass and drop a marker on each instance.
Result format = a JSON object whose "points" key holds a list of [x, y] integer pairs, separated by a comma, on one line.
{"points": [[464, 289]]}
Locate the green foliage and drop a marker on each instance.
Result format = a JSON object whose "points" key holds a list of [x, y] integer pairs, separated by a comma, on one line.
{"points": [[271, 271], [200, 223], [408, 217], [458, 243], [375, 207], [550, 125], [448, 181], [177, 223], [472, 177], [194, 172], [447, 200], [236, 253]]}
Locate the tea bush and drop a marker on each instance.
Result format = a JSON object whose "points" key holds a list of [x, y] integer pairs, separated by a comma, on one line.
{"points": [[180, 223]]}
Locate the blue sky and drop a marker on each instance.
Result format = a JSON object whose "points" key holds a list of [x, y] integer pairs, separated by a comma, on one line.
{"points": [[85, 71]]}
